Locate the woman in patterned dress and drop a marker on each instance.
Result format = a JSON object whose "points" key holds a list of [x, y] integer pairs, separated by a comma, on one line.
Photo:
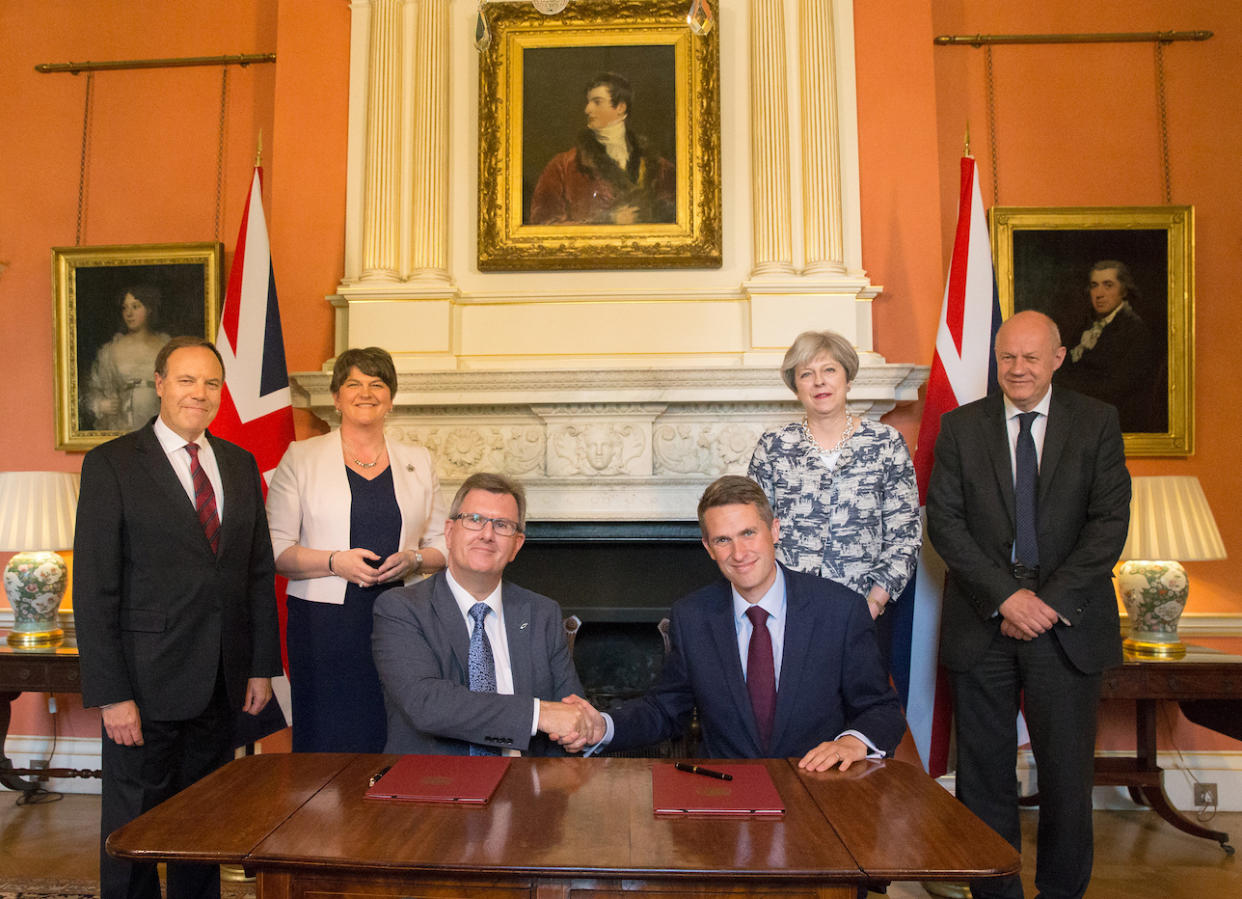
{"points": [[842, 487]]}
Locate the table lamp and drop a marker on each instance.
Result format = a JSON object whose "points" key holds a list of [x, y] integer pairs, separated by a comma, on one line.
{"points": [[37, 511], [1170, 523]]}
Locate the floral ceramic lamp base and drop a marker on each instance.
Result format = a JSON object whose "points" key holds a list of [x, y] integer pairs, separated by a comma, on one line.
{"points": [[35, 584], [1155, 596]]}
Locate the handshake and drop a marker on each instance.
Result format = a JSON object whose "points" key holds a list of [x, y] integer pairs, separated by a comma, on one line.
{"points": [[573, 722]]}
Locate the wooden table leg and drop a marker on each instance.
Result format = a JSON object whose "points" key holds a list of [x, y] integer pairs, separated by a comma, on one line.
{"points": [[12, 781], [1153, 789]]}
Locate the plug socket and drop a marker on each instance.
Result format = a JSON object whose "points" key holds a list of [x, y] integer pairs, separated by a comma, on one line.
{"points": [[1205, 795]]}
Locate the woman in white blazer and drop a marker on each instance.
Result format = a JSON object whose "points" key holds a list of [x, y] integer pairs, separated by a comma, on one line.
{"points": [[351, 514]]}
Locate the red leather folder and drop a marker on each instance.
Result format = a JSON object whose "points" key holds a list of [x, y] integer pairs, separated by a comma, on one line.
{"points": [[751, 792], [441, 778]]}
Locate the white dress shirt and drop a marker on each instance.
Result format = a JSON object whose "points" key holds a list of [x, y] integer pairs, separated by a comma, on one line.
{"points": [[173, 445], [1039, 427], [494, 627]]}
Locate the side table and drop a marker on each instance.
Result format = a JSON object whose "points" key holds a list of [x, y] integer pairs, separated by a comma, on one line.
{"points": [[1203, 674], [46, 669]]}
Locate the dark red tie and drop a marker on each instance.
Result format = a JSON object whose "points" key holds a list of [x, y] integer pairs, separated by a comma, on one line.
{"points": [[204, 499], [761, 674]]}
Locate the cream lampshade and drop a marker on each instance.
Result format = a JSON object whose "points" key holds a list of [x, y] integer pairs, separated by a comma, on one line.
{"points": [[1170, 523], [37, 511]]}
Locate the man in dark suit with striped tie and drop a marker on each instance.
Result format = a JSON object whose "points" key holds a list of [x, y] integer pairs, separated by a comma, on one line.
{"points": [[174, 603]]}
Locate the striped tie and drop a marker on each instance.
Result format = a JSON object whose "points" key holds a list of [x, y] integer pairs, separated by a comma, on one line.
{"points": [[204, 499]]}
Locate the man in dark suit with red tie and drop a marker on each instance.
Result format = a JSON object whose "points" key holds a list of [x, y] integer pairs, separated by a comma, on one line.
{"points": [[779, 664], [1028, 505], [174, 603]]}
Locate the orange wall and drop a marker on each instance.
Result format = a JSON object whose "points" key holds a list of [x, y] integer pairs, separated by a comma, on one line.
{"points": [[1075, 126], [1063, 139]]}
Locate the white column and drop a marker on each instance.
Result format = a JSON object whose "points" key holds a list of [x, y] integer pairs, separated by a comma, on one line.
{"points": [[821, 157], [769, 128], [429, 236], [356, 136], [381, 226]]}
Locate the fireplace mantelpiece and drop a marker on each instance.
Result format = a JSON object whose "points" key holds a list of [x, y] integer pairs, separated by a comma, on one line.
{"points": [[615, 444]]}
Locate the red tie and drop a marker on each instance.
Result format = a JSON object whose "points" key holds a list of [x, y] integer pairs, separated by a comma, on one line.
{"points": [[204, 499], [761, 674]]}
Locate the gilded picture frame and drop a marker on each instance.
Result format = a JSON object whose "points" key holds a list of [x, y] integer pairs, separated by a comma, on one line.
{"points": [[114, 307], [1128, 327], [662, 209]]}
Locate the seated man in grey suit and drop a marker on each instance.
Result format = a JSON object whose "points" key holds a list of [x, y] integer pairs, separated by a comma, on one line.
{"points": [[471, 665], [779, 664]]}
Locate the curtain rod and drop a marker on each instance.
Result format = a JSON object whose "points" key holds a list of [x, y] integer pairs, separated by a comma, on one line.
{"points": [[1134, 37], [237, 59]]}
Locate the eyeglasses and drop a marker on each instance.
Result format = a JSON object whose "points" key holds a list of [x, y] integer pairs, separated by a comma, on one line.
{"points": [[473, 521]]}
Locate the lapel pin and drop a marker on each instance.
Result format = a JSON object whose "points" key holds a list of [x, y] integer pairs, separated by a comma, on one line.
{"points": [[522, 627]]}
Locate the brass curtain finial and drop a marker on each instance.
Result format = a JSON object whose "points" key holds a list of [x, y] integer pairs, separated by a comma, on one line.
{"points": [[966, 149], [258, 153]]}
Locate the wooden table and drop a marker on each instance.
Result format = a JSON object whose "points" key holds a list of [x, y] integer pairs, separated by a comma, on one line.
{"points": [[562, 827], [46, 669], [1202, 676]]}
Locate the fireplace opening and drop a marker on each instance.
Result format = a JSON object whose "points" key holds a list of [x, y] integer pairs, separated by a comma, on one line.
{"points": [[619, 578]]}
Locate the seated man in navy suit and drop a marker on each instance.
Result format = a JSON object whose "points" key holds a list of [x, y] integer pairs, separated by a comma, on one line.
{"points": [[779, 664]]}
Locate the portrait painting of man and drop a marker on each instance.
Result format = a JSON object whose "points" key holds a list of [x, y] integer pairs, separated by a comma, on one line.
{"points": [[599, 136], [1107, 290], [599, 140]]}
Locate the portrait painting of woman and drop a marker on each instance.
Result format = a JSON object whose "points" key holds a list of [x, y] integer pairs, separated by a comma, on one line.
{"points": [[120, 392]]}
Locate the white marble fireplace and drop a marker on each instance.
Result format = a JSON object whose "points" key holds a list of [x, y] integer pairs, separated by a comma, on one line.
{"points": [[616, 445]]}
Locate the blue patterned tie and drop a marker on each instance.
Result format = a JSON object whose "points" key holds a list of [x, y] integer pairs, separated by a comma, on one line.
{"points": [[482, 664], [1026, 543]]}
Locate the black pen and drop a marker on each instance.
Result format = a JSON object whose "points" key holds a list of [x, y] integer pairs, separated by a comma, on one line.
{"points": [[378, 774], [706, 772]]}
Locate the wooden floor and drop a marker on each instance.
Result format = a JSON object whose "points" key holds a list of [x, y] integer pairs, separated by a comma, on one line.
{"points": [[1137, 856]]}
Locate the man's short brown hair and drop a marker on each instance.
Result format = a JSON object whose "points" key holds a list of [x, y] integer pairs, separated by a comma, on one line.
{"points": [[734, 490]]}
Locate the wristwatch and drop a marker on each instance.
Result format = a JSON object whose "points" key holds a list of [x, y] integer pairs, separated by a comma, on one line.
{"points": [[418, 560]]}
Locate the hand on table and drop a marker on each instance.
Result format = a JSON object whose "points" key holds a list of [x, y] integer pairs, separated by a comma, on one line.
{"points": [[843, 752]]}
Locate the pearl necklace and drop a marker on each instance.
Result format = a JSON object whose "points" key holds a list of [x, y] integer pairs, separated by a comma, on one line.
{"points": [[845, 434]]}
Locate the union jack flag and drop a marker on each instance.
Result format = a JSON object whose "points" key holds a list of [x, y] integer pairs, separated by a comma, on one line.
{"points": [[255, 407], [963, 370]]}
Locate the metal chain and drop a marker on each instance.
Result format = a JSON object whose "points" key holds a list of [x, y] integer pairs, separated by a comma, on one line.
{"points": [[991, 94], [86, 130], [1162, 112], [224, 100]]}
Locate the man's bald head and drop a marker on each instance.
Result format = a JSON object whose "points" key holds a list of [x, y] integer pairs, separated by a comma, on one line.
{"points": [[1028, 351]]}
